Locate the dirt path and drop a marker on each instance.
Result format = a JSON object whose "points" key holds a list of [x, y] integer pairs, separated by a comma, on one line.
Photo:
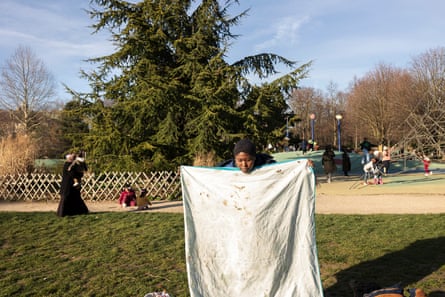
{"points": [[398, 195], [94, 207], [325, 204]]}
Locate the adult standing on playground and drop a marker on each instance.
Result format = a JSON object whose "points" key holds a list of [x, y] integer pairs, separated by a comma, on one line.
{"points": [[346, 163], [328, 162], [71, 202], [365, 147], [386, 159]]}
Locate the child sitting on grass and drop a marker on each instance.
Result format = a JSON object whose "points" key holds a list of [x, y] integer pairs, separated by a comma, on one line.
{"points": [[127, 196], [142, 201]]}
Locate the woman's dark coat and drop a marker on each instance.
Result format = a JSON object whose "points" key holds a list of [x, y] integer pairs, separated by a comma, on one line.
{"points": [[71, 202]]}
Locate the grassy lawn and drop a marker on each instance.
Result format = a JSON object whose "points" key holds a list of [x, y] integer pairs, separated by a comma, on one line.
{"points": [[131, 254]]}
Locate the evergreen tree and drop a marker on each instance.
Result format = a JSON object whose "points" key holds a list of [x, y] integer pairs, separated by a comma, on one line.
{"points": [[73, 126], [172, 94]]}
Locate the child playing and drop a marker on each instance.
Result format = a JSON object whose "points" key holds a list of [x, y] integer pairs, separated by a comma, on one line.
{"points": [[127, 196], [378, 174], [371, 169], [368, 168], [142, 201], [426, 165]]}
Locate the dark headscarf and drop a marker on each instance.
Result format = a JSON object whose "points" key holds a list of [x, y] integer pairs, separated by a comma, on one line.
{"points": [[244, 146]]}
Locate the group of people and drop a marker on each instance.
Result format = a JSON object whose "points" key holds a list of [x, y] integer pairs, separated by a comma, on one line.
{"points": [[375, 164], [71, 202], [128, 198]]}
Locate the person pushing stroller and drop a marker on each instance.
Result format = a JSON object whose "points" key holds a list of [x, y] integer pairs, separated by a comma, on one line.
{"points": [[373, 168]]}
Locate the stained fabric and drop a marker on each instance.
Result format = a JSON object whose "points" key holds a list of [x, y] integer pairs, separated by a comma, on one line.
{"points": [[251, 234]]}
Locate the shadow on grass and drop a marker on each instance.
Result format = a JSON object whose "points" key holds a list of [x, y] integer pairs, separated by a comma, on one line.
{"points": [[407, 266], [165, 206], [160, 205]]}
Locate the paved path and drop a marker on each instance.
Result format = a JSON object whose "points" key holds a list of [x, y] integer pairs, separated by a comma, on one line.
{"points": [[325, 204], [380, 204]]}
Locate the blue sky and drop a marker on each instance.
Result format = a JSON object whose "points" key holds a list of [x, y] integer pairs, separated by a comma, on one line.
{"points": [[343, 38]]}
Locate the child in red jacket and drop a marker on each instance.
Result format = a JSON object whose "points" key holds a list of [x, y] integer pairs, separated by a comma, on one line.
{"points": [[426, 165], [127, 196]]}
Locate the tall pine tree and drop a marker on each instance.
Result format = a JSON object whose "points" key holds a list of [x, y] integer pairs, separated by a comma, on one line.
{"points": [[167, 94]]}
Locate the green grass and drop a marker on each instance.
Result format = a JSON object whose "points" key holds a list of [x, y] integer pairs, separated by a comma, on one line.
{"points": [[131, 254]]}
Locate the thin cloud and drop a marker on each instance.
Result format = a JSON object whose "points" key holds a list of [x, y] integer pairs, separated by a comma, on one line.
{"points": [[285, 31]]}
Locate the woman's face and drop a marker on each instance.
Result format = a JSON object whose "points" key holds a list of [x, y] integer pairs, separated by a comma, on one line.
{"points": [[244, 162]]}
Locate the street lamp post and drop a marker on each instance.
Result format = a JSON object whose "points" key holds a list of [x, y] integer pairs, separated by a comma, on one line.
{"points": [[339, 117], [312, 117], [287, 128]]}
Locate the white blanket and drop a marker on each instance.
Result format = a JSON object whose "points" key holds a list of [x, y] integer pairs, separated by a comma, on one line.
{"points": [[251, 234]]}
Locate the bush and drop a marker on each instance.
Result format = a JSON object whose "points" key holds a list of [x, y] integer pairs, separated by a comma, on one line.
{"points": [[17, 154]]}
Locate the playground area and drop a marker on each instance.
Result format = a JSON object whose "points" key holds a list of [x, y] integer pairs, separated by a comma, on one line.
{"points": [[400, 165]]}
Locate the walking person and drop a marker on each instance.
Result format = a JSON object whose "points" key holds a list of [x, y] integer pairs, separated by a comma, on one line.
{"points": [[303, 146], [328, 162], [71, 202]]}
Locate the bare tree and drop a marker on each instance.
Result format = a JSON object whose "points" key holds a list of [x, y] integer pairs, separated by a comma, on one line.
{"points": [[304, 102], [308, 101], [336, 105], [379, 102], [26, 88], [426, 121]]}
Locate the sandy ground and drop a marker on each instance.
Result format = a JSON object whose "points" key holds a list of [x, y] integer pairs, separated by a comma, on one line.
{"points": [[400, 194]]}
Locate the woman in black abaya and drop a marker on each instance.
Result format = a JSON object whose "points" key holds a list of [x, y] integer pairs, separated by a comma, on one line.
{"points": [[71, 202]]}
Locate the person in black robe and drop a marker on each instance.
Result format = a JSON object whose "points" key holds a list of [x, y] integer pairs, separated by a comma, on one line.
{"points": [[71, 202]]}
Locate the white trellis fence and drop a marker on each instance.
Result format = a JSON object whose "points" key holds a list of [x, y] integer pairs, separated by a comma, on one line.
{"points": [[163, 185]]}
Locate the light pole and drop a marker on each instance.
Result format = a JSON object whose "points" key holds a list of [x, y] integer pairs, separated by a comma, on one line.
{"points": [[312, 117], [339, 117], [287, 128]]}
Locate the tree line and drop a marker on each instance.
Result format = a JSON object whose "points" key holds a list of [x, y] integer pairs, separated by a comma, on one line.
{"points": [[167, 96], [398, 107]]}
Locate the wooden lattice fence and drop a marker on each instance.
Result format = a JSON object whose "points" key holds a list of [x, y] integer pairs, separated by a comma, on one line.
{"points": [[163, 185]]}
